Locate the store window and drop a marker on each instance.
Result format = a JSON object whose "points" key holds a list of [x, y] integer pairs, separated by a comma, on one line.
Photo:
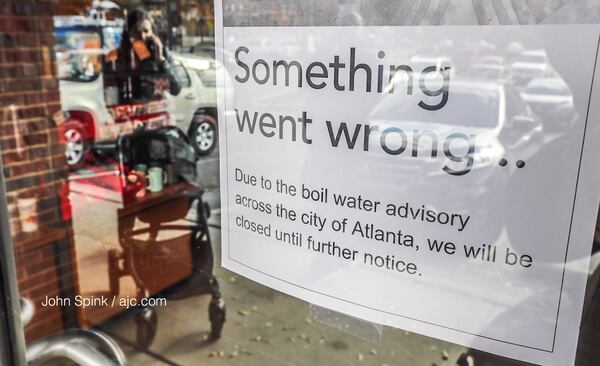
{"points": [[78, 55], [292, 183]]}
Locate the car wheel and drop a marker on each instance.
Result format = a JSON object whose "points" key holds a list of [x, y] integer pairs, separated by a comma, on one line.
{"points": [[77, 144], [204, 135]]}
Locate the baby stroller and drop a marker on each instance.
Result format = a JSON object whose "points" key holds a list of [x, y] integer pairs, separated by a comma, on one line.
{"points": [[167, 254]]}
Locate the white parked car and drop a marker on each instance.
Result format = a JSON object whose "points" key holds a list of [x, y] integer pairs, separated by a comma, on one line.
{"points": [[491, 60], [90, 121], [195, 108], [530, 65], [488, 72], [551, 99], [419, 62], [81, 45]]}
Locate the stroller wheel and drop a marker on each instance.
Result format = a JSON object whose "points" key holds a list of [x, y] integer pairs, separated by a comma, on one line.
{"points": [[216, 315], [147, 323]]}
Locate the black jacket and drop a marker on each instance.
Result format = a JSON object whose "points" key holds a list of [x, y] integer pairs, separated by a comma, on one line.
{"points": [[141, 80], [152, 66]]}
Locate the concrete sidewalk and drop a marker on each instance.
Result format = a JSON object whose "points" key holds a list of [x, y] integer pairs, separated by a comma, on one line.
{"points": [[266, 327]]}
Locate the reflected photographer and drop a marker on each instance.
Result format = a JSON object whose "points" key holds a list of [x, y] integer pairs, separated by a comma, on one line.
{"points": [[142, 65]]}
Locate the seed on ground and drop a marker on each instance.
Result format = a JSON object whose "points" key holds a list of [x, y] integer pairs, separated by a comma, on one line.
{"points": [[445, 355]]}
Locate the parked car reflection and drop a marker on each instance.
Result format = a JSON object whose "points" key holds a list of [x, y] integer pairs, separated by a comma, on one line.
{"points": [[551, 99], [529, 65], [486, 71], [491, 60], [196, 111], [497, 117], [495, 113]]}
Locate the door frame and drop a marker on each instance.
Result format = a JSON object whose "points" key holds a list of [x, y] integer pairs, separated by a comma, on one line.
{"points": [[12, 335]]}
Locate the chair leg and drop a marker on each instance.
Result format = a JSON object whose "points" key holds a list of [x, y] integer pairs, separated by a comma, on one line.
{"points": [[146, 321], [216, 310], [114, 272]]}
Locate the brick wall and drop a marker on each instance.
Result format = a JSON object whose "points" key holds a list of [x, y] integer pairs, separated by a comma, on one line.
{"points": [[33, 159]]}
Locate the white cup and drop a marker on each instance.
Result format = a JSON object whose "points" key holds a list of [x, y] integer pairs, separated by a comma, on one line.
{"points": [[28, 214]]}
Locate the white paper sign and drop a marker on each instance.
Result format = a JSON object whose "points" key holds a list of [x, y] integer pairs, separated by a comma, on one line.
{"points": [[436, 179]]}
